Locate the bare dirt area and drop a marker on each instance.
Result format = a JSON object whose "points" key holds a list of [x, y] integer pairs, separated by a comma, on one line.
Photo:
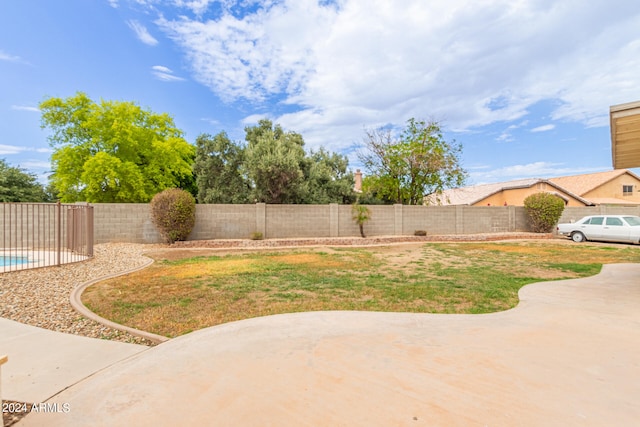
{"points": [[387, 244]]}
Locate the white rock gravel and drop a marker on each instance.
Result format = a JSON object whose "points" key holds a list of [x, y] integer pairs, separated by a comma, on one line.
{"points": [[40, 297]]}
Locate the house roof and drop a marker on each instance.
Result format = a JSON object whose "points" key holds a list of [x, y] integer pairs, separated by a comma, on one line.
{"points": [[476, 193], [582, 184], [575, 186], [611, 201]]}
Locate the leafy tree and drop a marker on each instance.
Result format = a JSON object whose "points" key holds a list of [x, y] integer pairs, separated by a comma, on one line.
{"points": [[327, 179], [274, 161], [372, 192], [17, 185], [218, 169], [417, 163], [272, 168], [544, 210], [113, 151]]}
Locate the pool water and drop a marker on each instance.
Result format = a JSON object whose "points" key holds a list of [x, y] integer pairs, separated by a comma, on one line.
{"points": [[13, 260]]}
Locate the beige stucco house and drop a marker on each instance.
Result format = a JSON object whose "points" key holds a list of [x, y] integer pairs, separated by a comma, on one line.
{"points": [[617, 187]]}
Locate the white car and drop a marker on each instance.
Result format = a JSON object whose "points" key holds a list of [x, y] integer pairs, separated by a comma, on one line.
{"points": [[610, 228]]}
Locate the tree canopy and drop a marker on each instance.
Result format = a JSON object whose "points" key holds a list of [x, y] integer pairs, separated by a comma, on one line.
{"points": [[417, 162], [17, 185], [113, 151], [218, 169], [272, 167]]}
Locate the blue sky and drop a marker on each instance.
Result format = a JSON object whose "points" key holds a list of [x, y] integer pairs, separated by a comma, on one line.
{"points": [[525, 86]]}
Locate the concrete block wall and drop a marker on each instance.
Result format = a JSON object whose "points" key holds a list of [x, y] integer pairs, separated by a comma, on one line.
{"points": [[575, 213], [346, 226], [484, 219], [124, 222], [286, 221], [224, 222], [428, 218], [382, 222], [132, 222]]}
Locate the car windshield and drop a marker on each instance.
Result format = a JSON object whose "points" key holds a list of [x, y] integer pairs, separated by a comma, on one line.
{"points": [[632, 220]]}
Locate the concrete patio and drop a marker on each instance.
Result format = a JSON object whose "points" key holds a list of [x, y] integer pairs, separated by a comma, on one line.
{"points": [[568, 354]]}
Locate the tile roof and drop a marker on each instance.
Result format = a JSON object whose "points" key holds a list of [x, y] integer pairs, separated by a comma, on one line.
{"points": [[473, 194], [582, 184], [611, 201], [575, 185]]}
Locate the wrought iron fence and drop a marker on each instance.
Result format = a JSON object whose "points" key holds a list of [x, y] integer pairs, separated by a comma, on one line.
{"points": [[36, 235]]}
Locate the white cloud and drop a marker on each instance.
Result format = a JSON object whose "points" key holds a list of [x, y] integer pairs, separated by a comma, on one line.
{"points": [[142, 33], [10, 149], [10, 58], [161, 69], [543, 128], [165, 74], [197, 6], [529, 170], [361, 63], [36, 164], [265, 53], [113, 3], [25, 108]]}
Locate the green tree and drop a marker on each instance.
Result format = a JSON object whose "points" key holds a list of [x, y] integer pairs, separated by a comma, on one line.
{"points": [[416, 163], [274, 161], [219, 170], [327, 179], [17, 185], [113, 151]]}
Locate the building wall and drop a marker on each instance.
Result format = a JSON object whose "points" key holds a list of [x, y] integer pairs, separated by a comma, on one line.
{"points": [[613, 189], [132, 222], [516, 196]]}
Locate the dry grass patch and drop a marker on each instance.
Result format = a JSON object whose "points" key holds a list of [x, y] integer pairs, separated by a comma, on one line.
{"points": [[177, 295]]}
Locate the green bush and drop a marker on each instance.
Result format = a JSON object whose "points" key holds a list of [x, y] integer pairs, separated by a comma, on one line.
{"points": [[544, 210], [173, 212], [257, 236]]}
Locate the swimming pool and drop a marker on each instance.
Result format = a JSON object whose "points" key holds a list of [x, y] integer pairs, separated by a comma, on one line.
{"points": [[13, 260]]}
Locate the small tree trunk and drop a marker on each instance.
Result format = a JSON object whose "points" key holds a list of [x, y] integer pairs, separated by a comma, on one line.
{"points": [[362, 230]]}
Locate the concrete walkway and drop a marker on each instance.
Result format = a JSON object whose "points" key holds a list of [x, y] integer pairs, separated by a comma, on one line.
{"points": [[568, 355], [43, 362]]}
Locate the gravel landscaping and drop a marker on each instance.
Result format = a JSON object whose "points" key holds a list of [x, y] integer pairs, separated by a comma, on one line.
{"points": [[40, 297]]}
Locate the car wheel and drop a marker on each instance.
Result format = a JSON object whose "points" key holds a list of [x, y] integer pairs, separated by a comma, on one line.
{"points": [[578, 237]]}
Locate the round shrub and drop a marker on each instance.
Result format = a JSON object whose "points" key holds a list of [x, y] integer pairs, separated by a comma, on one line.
{"points": [[173, 212], [544, 210]]}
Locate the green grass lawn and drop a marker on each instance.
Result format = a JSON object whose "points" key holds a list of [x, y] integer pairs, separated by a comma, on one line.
{"points": [[173, 297]]}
